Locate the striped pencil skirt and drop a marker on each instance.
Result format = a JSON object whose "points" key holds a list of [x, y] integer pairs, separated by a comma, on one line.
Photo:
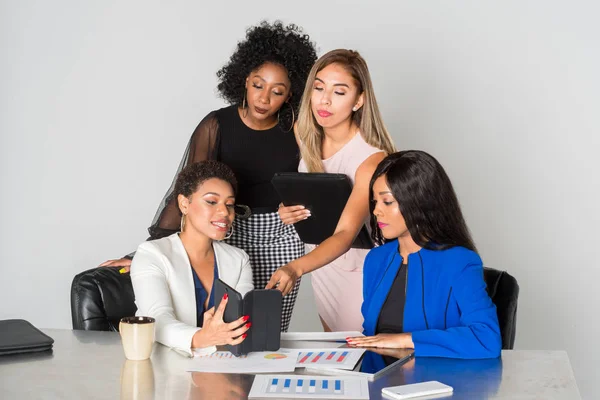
{"points": [[270, 244]]}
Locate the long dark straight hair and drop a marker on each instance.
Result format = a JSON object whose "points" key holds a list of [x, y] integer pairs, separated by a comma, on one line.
{"points": [[426, 199]]}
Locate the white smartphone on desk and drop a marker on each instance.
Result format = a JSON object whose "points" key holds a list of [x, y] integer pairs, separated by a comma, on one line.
{"points": [[416, 390]]}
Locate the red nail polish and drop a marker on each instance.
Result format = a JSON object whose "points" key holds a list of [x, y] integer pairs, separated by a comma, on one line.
{"points": [[244, 336], [246, 317], [248, 325], [225, 296]]}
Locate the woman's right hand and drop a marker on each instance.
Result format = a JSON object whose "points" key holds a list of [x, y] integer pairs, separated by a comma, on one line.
{"points": [[124, 263], [292, 214], [216, 332]]}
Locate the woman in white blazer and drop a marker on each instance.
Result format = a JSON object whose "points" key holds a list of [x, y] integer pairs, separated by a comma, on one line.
{"points": [[173, 277]]}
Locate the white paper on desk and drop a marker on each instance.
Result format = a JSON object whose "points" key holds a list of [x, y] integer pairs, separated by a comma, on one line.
{"points": [[255, 362], [338, 358], [309, 387], [323, 336]]}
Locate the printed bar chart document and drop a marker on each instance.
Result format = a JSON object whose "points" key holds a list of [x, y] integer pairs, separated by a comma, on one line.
{"points": [[309, 387], [341, 358], [256, 362], [371, 365]]}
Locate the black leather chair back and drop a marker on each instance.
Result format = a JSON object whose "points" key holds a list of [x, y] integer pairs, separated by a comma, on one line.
{"points": [[100, 297], [504, 291]]}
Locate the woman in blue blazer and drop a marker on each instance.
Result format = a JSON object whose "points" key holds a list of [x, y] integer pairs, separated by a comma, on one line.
{"points": [[423, 287]]}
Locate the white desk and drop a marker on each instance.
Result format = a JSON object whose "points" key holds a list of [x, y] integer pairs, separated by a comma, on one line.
{"points": [[91, 365]]}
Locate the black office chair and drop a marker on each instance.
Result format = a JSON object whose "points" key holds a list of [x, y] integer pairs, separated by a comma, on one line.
{"points": [[504, 291], [100, 297]]}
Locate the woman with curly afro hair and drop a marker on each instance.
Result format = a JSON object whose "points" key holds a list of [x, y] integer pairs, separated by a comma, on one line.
{"points": [[263, 82]]}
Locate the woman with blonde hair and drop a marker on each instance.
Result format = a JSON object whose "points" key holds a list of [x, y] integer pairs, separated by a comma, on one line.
{"points": [[339, 130]]}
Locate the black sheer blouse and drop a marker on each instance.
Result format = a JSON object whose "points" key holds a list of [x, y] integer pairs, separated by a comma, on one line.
{"points": [[255, 156]]}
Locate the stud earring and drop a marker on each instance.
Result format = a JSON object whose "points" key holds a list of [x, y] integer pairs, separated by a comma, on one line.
{"points": [[354, 108]]}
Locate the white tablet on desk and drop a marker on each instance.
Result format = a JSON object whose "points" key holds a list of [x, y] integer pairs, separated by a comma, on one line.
{"points": [[372, 364]]}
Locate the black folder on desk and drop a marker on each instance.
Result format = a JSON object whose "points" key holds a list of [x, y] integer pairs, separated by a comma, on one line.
{"points": [[325, 195], [19, 336], [263, 306]]}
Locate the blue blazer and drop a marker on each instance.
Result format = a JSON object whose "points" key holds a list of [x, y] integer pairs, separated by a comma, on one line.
{"points": [[447, 308]]}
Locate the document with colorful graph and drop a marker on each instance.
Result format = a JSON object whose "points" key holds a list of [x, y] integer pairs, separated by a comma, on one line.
{"points": [[339, 358], [309, 387], [283, 360]]}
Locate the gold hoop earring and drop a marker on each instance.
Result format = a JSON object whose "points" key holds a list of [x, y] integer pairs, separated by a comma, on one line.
{"points": [[293, 116], [244, 108], [229, 233], [182, 224]]}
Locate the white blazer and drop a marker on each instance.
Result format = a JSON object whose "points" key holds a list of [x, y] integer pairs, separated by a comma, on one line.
{"points": [[163, 285]]}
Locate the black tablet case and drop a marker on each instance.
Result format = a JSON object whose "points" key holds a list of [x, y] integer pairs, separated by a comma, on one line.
{"points": [[19, 336], [264, 309], [325, 195]]}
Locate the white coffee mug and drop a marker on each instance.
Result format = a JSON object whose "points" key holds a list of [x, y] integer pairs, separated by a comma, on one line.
{"points": [[137, 336]]}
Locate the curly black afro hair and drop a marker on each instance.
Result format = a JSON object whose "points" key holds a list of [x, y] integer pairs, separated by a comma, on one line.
{"points": [[275, 43], [194, 175]]}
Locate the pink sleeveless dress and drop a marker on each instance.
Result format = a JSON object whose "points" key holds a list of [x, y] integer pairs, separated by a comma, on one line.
{"points": [[338, 286]]}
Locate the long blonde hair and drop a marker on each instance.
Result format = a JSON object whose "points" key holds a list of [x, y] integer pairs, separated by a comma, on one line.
{"points": [[367, 118]]}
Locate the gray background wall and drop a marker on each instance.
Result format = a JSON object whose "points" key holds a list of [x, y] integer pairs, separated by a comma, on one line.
{"points": [[98, 99]]}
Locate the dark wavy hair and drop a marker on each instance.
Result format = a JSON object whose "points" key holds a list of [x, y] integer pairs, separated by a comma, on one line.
{"points": [[194, 175], [274, 43], [426, 199]]}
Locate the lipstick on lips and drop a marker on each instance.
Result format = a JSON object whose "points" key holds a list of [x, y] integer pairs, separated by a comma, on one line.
{"points": [[381, 225], [260, 110], [323, 113]]}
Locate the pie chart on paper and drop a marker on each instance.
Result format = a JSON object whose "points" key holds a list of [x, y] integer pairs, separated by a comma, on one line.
{"points": [[275, 356]]}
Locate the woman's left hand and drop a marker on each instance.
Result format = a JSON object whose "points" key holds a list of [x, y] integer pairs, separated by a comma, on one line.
{"points": [[284, 279], [386, 340], [292, 214]]}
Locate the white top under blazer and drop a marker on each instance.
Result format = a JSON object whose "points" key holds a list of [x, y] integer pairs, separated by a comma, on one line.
{"points": [[163, 285]]}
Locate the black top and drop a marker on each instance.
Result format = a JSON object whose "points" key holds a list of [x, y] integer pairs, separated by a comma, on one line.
{"points": [[391, 317], [255, 156]]}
